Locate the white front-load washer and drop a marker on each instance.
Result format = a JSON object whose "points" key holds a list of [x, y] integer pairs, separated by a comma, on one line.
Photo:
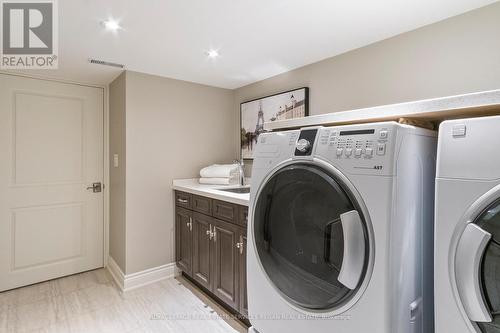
{"points": [[340, 231], [467, 228]]}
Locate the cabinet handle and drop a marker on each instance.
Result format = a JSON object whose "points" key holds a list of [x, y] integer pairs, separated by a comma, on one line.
{"points": [[184, 201], [240, 245], [190, 224], [210, 233]]}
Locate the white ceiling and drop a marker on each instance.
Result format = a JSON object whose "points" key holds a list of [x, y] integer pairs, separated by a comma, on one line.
{"points": [[256, 39]]}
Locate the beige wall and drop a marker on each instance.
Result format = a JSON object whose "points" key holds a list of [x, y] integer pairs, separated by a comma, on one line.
{"points": [[117, 143], [173, 128], [454, 56]]}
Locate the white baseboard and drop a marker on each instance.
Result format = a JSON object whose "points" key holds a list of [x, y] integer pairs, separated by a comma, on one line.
{"points": [[116, 272], [140, 279]]}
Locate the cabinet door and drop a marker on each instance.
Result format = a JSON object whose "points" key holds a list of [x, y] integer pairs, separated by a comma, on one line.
{"points": [[243, 272], [226, 277], [184, 239], [202, 246]]}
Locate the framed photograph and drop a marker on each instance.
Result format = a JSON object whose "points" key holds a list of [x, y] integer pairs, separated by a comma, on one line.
{"points": [[286, 105]]}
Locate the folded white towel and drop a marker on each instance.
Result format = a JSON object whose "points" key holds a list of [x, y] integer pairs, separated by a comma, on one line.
{"points": [[219, 181], [220, 171]]}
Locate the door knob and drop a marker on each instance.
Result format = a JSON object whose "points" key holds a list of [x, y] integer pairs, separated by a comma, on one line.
{"points": [[96, 187]]}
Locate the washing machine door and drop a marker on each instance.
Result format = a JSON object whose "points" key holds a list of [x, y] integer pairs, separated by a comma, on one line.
{"points": [[477, 269], [311, 237]]}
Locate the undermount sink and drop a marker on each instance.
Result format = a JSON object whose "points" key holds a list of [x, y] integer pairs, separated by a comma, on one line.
{"points": [[236, 189]]}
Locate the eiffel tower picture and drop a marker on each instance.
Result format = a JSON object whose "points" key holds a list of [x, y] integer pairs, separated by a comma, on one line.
{"points": [[254, 114], [259, 128]]}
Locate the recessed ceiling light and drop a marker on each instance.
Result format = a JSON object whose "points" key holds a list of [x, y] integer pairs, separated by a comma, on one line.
{"points": [[212, 53], [111, 25]]}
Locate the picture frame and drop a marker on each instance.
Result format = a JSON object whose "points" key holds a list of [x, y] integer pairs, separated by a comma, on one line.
{"points": [[254, 113]]}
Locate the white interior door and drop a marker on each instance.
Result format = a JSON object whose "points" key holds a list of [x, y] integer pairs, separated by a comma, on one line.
{"points": [[51, 150]]}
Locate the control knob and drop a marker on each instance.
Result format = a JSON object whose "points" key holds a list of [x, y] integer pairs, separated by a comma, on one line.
{"points": [[303, 145]]}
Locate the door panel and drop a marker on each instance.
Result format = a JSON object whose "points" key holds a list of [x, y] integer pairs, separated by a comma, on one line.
{"points": [[226, 262], [51, 146], [48, 139], [35, 243], [184, 239], [202, 249]]}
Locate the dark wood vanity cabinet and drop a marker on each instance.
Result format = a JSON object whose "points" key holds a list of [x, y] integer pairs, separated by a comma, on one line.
{"points": [[211, 247]]}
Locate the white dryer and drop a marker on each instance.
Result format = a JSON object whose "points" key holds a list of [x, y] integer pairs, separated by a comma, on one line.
{"points": [[467, 236], [340, 232]]}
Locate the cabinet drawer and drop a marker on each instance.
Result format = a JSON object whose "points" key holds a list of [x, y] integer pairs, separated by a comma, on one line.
{"points": [[183, 199], [243, 216], [202, 205], [225, 211]]}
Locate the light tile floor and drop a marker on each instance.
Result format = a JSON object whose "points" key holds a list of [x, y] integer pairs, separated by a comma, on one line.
{"points": [[90, 302]]}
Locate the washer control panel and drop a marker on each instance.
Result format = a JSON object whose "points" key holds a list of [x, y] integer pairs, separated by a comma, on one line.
{"points": [[356, 143], [361, 147]]}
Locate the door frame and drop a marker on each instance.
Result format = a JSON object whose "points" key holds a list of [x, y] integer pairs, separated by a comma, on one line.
{"points": [[106, 166]]}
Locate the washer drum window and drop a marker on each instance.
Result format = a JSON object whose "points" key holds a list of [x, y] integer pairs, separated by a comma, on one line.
{"points": [[311, 237]]}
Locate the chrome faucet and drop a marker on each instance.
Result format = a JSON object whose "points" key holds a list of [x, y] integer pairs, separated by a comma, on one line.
{"points": [[241, 166]]}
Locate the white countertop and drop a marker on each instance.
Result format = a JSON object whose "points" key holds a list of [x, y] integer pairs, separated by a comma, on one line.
{"points": [[212, 191]]}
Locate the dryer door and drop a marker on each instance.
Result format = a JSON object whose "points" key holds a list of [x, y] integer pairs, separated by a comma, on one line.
{"points": [[311, 237], [477, 269]]}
